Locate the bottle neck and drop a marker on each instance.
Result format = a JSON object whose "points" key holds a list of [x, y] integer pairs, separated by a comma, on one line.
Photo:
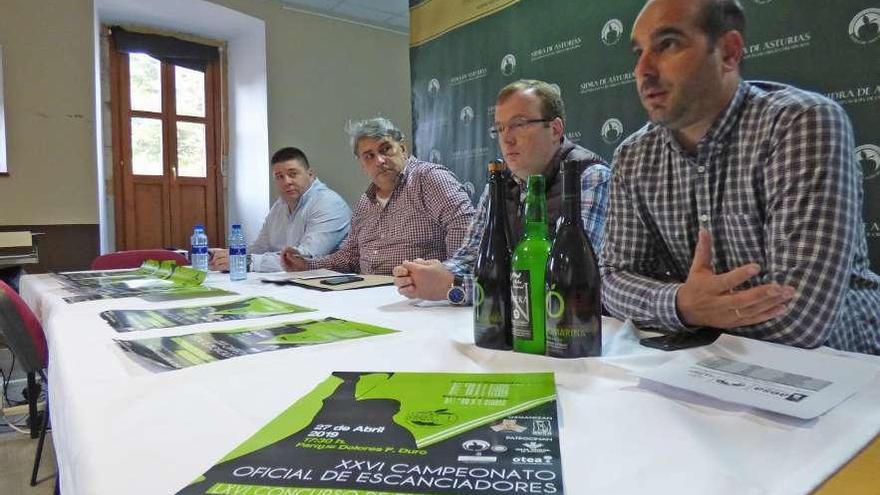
{"points": [[535, 215], [571, 193]]}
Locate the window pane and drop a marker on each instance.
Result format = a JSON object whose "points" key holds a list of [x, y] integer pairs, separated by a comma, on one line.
{"points": [[146, 146], [146, 82], [191, 152], [190, 85]]}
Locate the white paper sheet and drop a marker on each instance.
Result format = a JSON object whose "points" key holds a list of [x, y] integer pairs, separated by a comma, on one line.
{"points": [[775, 378]]}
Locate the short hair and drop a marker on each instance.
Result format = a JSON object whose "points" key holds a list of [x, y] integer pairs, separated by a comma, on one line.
{"points": [[374, 128], [551, 101], [290, 153], [720, 16]]}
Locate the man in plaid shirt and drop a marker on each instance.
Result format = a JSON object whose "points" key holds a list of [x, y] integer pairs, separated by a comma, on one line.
{"points": [[411, 209], [530, 127], [738, 207]]}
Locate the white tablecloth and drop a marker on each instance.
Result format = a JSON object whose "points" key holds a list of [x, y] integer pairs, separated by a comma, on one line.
{"points": [[120, 429]]}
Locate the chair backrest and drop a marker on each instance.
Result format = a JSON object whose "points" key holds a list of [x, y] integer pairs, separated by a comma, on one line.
{"points": [[134, 259], [22, 330]]}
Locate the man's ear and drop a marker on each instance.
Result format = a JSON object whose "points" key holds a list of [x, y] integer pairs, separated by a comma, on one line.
{"points": [[731, 45], [558, 127], [403, 147]]}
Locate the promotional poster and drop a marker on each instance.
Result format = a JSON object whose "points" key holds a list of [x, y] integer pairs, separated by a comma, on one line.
{"points": [[183, 351], [131, 320], [360, 433]]}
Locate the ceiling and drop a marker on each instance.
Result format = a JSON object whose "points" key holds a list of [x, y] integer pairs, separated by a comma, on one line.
{"points": [[392, 15]]}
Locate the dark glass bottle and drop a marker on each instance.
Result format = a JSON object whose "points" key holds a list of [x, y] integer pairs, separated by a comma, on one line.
{"points": [[492, 271], [573, 301], [527, 272]]}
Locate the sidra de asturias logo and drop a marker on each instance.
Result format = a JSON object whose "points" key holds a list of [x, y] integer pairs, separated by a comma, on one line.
{"points": [[508, 64], [433, 88], [612, 32], [466, 115], [612, 130], [434, 156], [865, 26], [868, 156]]}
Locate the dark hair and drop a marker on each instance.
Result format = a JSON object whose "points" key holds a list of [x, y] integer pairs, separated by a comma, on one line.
{"points": [[551, 100], [720, 16], [290, 153]]}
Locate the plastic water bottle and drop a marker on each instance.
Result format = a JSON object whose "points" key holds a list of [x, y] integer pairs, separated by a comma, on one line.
{"points": [[237, 254], [198, 257]]}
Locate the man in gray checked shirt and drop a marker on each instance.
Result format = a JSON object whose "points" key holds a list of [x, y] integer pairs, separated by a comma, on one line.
{"points": [[738, 207]]}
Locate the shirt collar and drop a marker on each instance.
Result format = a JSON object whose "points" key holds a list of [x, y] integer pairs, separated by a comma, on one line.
{"points": [[722, 126]]}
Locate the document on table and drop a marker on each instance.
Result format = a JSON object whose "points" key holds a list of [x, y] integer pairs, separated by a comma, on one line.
{"points": [[786, 380], [303, 275]]}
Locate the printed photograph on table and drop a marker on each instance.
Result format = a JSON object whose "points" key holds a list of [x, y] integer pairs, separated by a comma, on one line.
{"points": [[153, 281], [131, 320], [183, 351], [148, 267], [364, 433]]}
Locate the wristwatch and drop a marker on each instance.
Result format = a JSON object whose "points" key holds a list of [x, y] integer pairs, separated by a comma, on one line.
{"points": [[455, 294]]}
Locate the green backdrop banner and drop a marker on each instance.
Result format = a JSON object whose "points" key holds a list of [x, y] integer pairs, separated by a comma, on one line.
{"points": [[832, 48]]}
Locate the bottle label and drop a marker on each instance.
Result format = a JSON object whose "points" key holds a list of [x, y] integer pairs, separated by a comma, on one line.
{"points": [[237, 250], [200, 250], [519, 297]]}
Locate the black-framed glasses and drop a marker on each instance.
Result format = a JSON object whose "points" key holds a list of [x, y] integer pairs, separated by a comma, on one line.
{"points": [[514, 126]]}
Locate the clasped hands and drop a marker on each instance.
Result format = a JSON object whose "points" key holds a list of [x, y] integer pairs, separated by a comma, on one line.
{"points": [[422, 279], [709, 300]]}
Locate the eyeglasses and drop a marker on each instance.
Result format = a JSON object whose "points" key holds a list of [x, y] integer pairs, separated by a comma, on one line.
{"points": [[515, 126]]}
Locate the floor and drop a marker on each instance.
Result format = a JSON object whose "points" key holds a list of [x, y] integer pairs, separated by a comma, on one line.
{"points": [[17, 450], [17, 461]]}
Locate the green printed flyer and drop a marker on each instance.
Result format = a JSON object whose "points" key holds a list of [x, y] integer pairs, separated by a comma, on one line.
{"points": [[96, 277], [153, 281], [363, 433], [131, 320], [184, 351]]}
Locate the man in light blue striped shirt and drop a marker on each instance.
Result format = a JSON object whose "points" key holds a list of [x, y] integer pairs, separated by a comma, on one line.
{"points": [[530, 127], [308, 216]]}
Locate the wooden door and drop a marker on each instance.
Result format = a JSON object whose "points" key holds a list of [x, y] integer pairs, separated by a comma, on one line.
{"points": [[166, 152]]}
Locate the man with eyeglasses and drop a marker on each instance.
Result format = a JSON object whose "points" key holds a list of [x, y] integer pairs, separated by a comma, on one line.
{"points": [[530, 128], [307, 215], [411, 209]]}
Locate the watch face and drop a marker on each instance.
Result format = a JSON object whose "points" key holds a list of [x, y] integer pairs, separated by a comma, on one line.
{"points": [[455, 295]]}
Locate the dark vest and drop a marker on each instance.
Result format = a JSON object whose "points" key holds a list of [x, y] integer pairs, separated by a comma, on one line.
{"points": [[553, 182]]}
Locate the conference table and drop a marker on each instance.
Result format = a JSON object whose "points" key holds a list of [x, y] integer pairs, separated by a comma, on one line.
{"points": [[120, 427]]}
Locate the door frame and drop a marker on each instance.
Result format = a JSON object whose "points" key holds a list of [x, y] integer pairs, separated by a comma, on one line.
{"points": [[120, 113]]}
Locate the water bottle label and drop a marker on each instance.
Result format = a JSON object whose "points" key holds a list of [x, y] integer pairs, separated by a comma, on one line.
{"points": [[519, 297], [238, 250], [200, 250]]}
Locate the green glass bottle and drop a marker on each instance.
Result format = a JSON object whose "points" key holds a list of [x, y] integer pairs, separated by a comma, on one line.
{"points": [[527, 272]]}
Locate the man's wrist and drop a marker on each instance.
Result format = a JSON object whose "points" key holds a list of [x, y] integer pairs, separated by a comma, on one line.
{"points": [[456, 293]]}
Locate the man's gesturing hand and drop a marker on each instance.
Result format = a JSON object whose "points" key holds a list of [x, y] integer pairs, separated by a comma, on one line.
{"points": [[709, 300]]}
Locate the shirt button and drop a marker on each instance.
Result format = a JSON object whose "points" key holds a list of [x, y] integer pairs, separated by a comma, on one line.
{"points": [[375, 251], [701, 169], [704, 218]]}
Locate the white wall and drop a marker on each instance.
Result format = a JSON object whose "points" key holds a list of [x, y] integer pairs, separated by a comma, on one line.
{"points": [[247, 90]]}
